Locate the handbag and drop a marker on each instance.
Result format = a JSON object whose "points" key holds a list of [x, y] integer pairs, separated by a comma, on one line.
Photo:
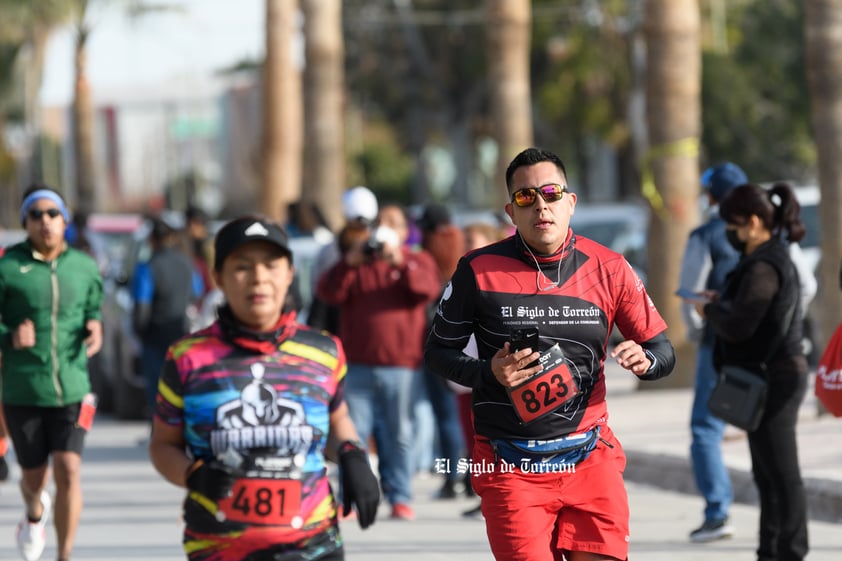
{"points": [[829, 375], [739, 397]]}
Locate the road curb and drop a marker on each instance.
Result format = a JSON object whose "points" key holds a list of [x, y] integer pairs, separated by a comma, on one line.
{"points": [[673, 473]]}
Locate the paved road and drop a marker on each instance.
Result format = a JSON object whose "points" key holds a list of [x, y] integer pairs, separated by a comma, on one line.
{"points": [[133, 515]]}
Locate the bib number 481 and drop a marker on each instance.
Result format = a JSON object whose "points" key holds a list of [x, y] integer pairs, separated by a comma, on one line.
{"points": [[263, 501]]}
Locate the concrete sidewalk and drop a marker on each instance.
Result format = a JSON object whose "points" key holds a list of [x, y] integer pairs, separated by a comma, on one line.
{"points": [[654, 428]]}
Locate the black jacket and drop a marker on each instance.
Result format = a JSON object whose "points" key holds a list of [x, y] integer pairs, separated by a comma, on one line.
{"points": [[756, 318]]}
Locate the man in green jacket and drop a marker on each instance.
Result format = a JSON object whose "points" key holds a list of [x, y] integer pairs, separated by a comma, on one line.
{"points": [[50, 297]]}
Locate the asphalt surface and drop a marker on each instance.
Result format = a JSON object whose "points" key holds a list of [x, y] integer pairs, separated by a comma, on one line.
{"points": [[131, 514]]}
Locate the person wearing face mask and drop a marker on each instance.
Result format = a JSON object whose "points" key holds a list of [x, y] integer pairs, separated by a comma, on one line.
{"points": [[382, 287], [709, 256], [758, 304], [548, 468], [707, 259]]}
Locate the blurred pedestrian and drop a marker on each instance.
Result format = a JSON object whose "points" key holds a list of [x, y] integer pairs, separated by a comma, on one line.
{"points": [[163, 289], [445, 242], [359, 208], [200, 242], [707, 259], [477, 235], [756, 321], [306, 219], [481, 234], [538, 423], [4, 447], [382, 288], [247, 411], [77, 232], [50, 298], [4, 441]]}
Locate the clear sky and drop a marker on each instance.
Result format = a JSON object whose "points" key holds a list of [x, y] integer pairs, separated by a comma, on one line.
{"points": [[173, 46]]}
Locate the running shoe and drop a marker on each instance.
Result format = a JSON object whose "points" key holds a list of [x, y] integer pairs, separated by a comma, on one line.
{"points": [[402, 511], [447, 491], [475, 513], [32, 536], [712, 530]]}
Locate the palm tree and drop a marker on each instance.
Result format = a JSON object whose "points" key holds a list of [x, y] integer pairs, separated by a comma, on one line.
{"points": [[83, 115], [823, 35], [282, 112], [324, 78], [508, 27], [24, 30], [673, 90]]}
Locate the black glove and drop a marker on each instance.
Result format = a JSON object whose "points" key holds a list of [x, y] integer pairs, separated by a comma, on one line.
{"points": [[212, 479], [359, 485]]}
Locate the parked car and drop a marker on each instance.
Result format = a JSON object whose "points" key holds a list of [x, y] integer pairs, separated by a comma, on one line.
{"points": [[621, 226], [115, 375]]}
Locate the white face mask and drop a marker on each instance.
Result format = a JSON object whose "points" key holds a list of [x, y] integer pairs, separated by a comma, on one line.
{"points": [[386, 236], [704, 203]]}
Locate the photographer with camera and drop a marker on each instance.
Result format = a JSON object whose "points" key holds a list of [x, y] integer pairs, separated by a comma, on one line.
{"points": [[382, 288]]}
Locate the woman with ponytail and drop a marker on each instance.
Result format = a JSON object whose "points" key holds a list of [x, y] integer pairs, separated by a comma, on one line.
{"points": [[757, 322]]}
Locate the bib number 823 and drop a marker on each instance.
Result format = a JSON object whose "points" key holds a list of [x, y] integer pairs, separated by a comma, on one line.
{"points": [[263, 501], [545, 392]]}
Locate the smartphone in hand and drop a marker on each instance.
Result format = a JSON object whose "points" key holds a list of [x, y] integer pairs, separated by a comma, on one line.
{"points": [[692, 297], [524, 338]]}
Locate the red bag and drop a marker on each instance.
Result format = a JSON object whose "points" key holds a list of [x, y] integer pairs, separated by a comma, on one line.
{"points": [[829, 375]]}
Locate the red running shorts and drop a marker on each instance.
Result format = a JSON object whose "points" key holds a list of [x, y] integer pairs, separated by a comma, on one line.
{"points": [[539, 516]]}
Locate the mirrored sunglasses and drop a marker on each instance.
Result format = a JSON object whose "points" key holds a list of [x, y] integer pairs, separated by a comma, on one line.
{"points": [[36, 214], [550, 192]]}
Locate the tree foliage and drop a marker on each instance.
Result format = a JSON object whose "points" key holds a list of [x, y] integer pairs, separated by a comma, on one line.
{"points": [[754, 97], [583, 75]]}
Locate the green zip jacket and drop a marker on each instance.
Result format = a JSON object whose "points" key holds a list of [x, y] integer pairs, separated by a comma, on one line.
{"points": [[59, 296]]}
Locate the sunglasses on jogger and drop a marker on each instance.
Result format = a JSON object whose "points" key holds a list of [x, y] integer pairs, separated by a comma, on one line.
{"points": [[550, 192], [36, 214]]}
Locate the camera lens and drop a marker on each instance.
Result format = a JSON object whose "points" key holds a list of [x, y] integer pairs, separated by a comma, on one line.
{"points": [[372, 247]]}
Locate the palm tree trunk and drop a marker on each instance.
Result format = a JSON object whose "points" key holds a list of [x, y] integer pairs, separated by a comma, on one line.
{"points": [[324, 79], [509, 31], [282, 112], [823, 33], [673, 105], [83, 130]]}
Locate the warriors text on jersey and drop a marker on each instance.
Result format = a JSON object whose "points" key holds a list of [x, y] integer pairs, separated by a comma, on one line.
{"points": [[267, 414], [574, 298]]}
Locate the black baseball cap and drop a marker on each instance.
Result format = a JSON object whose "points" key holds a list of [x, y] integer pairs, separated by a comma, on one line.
{"points": [[246, 229]]}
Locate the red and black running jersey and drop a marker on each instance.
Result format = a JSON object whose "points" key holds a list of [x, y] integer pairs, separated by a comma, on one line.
{"points": [[574, 298]]}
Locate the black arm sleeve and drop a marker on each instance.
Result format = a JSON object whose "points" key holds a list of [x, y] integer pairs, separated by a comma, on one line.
{"points": [[661, 349], [455, 365]]}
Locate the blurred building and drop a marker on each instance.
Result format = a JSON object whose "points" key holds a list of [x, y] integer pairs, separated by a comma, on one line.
{"points": [[166, 146]]}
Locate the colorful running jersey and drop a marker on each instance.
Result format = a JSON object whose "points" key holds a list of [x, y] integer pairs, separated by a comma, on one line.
{"points": [[574, 298], [269, 415]]}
